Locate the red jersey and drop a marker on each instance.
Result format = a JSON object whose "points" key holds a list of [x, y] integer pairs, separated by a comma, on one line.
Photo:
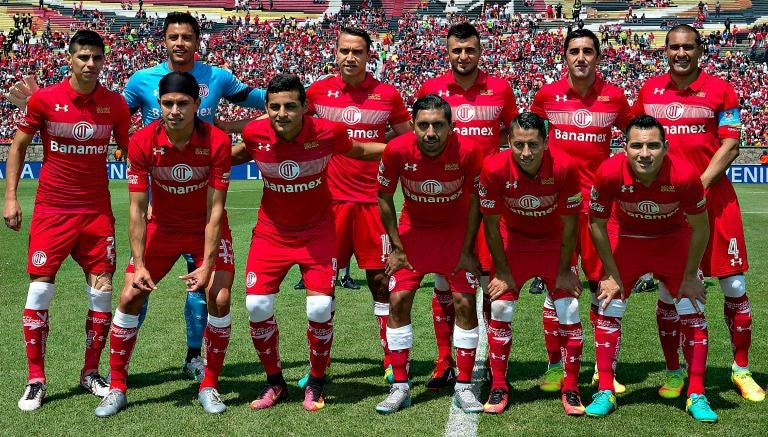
{"points": [[436, 190], [695, 118], [296, 195], [75, 130], [531, 207], [180, 178], [479, 112], [365, 110], [647, 212], [580, 127]]}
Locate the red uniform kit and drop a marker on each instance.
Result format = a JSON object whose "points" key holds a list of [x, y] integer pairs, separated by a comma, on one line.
{"points": [[179, 187], [433, 221], [580, 130], [295, 220], [365, 110], [695, 119], [72, 207]]}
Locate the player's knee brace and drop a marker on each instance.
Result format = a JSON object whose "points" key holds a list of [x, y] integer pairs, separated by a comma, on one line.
{"points": [[466, 338], [319, 308], [684, 307], [616, 308], [400, 338], [567, 310], [503, 310], [733, 286], [441, 283], [99, 300], [39, 295], [260, 307], [664, 294]]}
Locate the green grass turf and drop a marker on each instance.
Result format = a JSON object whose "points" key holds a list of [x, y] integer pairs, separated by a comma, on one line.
{"points": [[160, 402]]}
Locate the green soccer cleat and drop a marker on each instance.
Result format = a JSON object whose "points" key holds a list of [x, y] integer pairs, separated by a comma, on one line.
{"points": [[552, 381], [674, 381]]}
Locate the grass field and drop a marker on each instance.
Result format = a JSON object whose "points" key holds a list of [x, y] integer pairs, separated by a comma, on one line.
{"points": [[161, 403]]}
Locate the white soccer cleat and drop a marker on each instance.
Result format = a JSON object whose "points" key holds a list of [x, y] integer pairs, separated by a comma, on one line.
{"points": [[112, 403], [33, 396], [194, 369], [464, 397], [93, 383]]}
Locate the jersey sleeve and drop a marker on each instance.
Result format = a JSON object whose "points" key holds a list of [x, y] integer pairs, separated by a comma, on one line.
{"points": [[35, 116], [637, 108], [693, 199], [489, 189], [122, 122], [510, 111], [601, 197], [389, 170], [221, 162], [132, 92], [311, 97], [239, 93], [624, 113], [537, 107], [399, 113], [571, 191], [473, 168], [342, 143], [423, 91], [729, 115], [248, 135], [137, 167]]}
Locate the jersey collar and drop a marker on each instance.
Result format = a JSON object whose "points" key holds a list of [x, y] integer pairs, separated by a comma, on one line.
{"points": [[480, 81], [696, 85], [596, 87], [545, 169], [74, 96], [366, 83], [162, 138]]}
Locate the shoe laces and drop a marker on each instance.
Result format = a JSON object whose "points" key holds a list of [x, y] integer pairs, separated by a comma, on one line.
{"points": [[496, 396], [33, 390], [466, 394], [745, 377], [700, 401], [572, 398], [110, 398], [602, 395], [213, 396]]}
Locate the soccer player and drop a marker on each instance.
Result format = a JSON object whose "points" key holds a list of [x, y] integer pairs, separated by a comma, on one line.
{"points": [[439, 172], [482, 107], [72, 214], [295, 226], [539, 198], [365, 106], [659, 225], [184, 163], [581, 109], [700, 115]]}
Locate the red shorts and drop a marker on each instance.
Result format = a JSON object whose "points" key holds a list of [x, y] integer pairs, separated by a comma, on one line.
{"points": [[89, 238], [163, 248], [590, 260], [525, 264], [433, 250], [359, 230], [272, 254], [665, 257], [726, 253]]}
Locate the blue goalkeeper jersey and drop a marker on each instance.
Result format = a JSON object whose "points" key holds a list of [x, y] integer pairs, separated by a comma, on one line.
{"points": [[141, 91]]}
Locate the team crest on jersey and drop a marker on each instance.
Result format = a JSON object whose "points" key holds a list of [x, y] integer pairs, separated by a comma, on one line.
{"points": [[289, 170], [582, 118], [674, 111], [351, 115], [603, 98], [203, 90], [102, 109], [548, 181], [250, 279], [181, 173], [648, 207], [374, 96], [667, 188], [392, 283], [453, 166], [82, 131], [39, 258], [465, 113], [311, 145], [431, 186]]}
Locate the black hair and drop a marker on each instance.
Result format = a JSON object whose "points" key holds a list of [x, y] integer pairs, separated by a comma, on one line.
{"points": [[356, 31], [463, 30], [432, 101], [85, 38], [181, 18], [529, 120], [287, 82], [645, 122], [581, 33], [685, 28], [179, 82]]}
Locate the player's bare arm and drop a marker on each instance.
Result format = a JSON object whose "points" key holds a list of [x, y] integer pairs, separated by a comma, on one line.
{"points": [[566, 278], [239, 154], [399, 129], [691, 286], [397, 258], [502, 280], [16, 154], [468, 258], [137, 235], [366, 151], [201, 276], [721, 160], [610, 287]]}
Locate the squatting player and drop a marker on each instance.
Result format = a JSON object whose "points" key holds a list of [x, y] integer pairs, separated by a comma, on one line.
{"points": [[365, 106], [581, 109], [189, 162], [438, 171], [700, 115], [659, 224], [482, 106], [295, 226], [72, 214], [540, 199]]}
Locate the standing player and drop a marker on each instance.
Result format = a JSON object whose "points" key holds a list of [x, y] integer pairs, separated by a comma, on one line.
{"points": [[482, 107], [700, 114], [189, 162], [438, 172], [365, 106], [540, 199], [581, 109], [72, 214], [661, 227], [295, 226]]}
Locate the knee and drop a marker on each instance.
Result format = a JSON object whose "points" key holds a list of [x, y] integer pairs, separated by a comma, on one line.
{"points": [[466, 338], [40, 295], [503, 310], [260, 307], [684, 307], [615, 309], [567, 310], [102, 282], [733, 286], [100, 293], [319, 308]]}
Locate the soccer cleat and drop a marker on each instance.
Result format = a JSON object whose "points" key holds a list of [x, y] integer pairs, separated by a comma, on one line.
{"points": [[210, 400], [399, 398], [497, 401], [698, 407], [749, 389], [389, 375], [93, 383], [552, 381], [299, 285], [349, 283], [313, 396], [618, 387], [33, 396], [464, 398], [194, 369], [643, 285], [302, 382], [572, 403], [444, 375], [537, 286], [112, 403], [674, 381], [603, 403], [270, 395]]}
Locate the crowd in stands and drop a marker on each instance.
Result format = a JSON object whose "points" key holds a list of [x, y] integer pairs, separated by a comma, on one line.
{"points": [[514, 49]]}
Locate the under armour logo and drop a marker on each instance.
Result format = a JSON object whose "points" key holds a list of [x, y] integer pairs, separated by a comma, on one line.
{"points": [[606, 344], [666, 333], [498, 357], [702, 342], [320, 354], [625, 188], [333, 94], [411, 167], [442, 93], [158, 151], [121, 352], [559, 98], [574, 358], [658, 90], [264, 352], [265, 147], [64, 108], [738, 261], [512, 185]]}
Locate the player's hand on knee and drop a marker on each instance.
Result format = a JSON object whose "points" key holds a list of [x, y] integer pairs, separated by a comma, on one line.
{"points": [[468, 261], [142, 280], [570, 282], [499, 285], [12, 214], [21, 91], [397, 260], [198, 278], [694, 290], [609, 288]]}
